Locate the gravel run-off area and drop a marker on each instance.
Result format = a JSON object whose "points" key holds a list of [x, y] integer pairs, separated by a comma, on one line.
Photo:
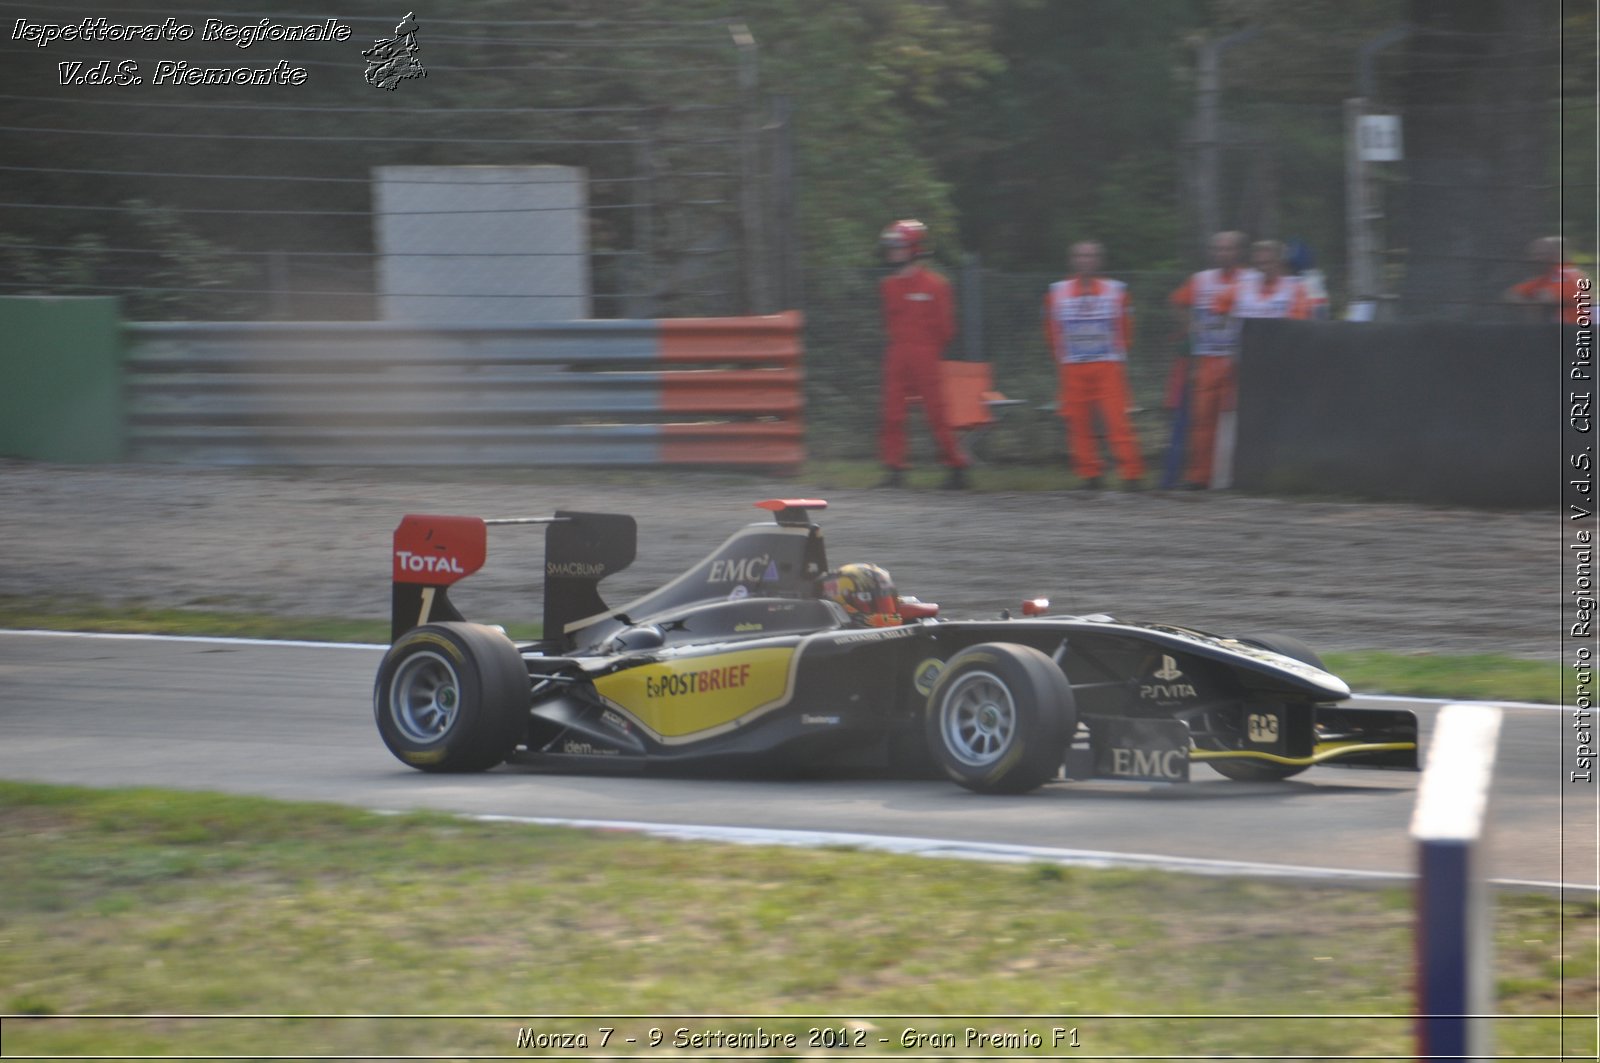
{"points": [[1339, 575]]}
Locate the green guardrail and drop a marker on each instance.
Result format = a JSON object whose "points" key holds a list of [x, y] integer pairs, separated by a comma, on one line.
{"points": [[60, 378]]}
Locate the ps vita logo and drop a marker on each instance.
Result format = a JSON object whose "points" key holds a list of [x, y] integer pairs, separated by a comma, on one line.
{"points": [[1169, 688]]}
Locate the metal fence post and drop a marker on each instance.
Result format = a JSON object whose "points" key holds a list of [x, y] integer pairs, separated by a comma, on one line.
{"points": [[1361, 209], [785, 224], [1358, 232], [279, 284], [1208, 128], [756, 298], [972, 308], [644, 282]]}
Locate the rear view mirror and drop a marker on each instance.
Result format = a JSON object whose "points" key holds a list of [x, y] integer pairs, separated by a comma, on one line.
{"points": [[645, 637]]}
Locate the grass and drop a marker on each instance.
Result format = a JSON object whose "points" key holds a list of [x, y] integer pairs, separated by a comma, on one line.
{"points": [[160, 903], [1476, 676]]}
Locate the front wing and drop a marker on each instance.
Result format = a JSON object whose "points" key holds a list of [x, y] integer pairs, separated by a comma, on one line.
{"points": [[1161, 749]]}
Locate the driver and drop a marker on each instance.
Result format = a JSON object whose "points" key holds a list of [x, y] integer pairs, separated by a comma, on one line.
{"points": [[866, 593]]}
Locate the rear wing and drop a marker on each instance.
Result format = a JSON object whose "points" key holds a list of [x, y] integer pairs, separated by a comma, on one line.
{"points": [[434, 552]]}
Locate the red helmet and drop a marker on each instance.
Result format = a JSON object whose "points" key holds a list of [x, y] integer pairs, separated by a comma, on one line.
{"points": [[908, 234]]}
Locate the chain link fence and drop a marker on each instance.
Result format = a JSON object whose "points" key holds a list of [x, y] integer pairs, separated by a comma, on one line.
{"points": [[1414, 163], [232, 204], [1001, 322]]}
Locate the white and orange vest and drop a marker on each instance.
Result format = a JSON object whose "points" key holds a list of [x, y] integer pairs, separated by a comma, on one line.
{"points": [[1088, 322], [1212, 332], [1562, 289], [1286, 297]]}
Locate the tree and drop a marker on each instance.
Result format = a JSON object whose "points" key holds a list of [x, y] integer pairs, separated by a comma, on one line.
{"points": [[1075, 136], [1576, 166], [1480, 96], [865, 80]]}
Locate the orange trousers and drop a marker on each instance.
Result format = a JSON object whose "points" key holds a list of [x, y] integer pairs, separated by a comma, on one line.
{"points": [[1211, 391], [1087, 387]]}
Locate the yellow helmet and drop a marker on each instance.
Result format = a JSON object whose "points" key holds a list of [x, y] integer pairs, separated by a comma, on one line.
{"points": [[866, 592]]}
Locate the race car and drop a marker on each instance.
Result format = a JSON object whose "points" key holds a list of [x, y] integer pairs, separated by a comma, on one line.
{"points": [[762, 654]]}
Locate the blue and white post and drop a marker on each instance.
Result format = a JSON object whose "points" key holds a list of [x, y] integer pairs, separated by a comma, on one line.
{"points": [[1454, 932]]}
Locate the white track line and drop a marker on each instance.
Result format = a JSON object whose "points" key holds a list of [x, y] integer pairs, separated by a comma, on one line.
{"points": [[990, 852], [199, 640]]}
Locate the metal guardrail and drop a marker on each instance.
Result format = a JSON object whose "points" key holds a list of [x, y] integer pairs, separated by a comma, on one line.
{"points": [[689, 391]]}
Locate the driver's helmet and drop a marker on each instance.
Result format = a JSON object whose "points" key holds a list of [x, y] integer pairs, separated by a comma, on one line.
{"points": [[866, 592]]}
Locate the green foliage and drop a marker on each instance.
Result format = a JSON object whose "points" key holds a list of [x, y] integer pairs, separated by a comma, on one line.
{"points": [[74, 268], [180, 266], [1135, 211], [1075, 137], [1576, 161], [1012, 127], [186, 264], [864, 78], [1305, 52]]}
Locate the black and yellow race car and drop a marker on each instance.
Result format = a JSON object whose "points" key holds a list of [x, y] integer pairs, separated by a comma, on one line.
{"points": [[761, 653]]}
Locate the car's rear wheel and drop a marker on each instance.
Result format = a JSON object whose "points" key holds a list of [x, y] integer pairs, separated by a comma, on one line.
{"points": [[451, 697], [1246, 770], [999, 718]]}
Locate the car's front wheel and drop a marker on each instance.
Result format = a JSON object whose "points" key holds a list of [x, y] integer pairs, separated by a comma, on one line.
{"points": [[451, 697], [999, 718]]}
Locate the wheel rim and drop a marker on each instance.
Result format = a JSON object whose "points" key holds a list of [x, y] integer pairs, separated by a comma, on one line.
{"points": [[424, 697], [978, 719]]}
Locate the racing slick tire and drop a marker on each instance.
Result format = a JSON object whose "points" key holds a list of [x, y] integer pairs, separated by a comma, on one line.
{"points": [[1289, 647], [1261, 770], [452, 697], [999, 718]]}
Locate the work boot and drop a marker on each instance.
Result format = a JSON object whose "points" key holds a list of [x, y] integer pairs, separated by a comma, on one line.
{"points": [[955, 479], [892, 478], [1092, 483]]}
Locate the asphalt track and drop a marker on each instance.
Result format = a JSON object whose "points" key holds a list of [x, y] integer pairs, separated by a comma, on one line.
{"points": [[293, 721]]}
